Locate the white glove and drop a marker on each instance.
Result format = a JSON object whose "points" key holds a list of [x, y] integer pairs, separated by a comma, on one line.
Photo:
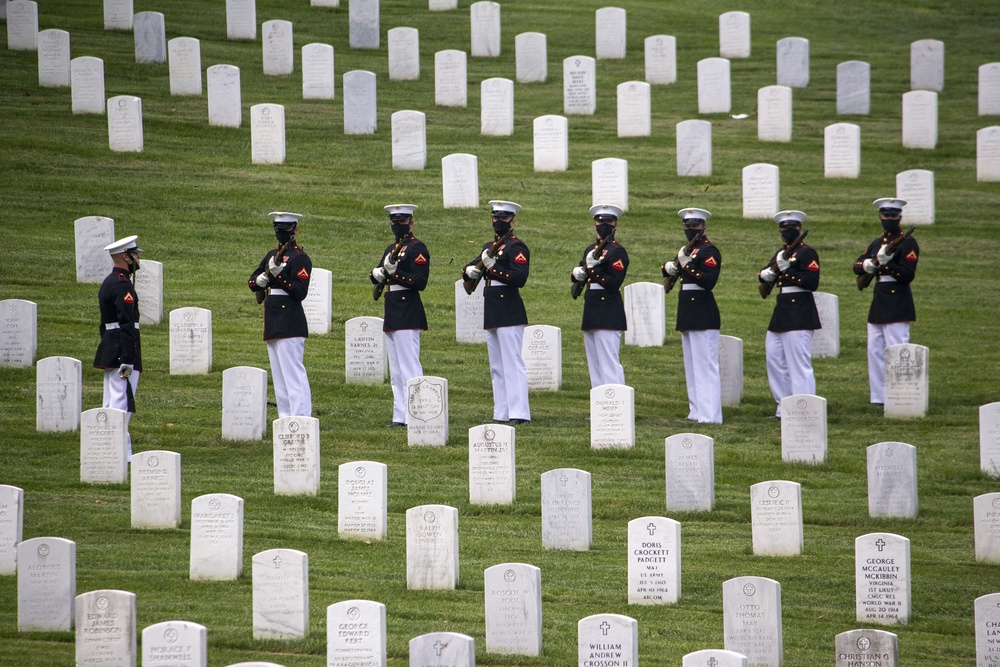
{"points": [[579, 274], [488, 261], [472, 273], [782, 263], [262, 281], [883, 256], [388, 265], [592, 260], [768, 275], [869, 265], [378, 273], [682, 257], [671, 268], [124, 371], [274, 268]]}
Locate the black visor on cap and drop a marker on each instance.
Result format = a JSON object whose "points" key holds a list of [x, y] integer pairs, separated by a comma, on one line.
{"points": [[400, 217], [503, 215], [605, 217], [694, 221], [893, 212]]}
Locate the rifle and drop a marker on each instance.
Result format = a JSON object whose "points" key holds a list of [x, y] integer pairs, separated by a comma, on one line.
{"points": [[865, 278], [471, 284], [379, 287], [765, 288], [669, 281], [576, 289], [278, 256]]}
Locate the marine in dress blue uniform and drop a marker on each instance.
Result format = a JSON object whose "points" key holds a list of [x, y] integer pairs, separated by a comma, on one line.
{"points": [[404, 311], [892, 308], [788, 344], [698, 319], [504, 317], [603, 308], [284, 275], [119, 353]]}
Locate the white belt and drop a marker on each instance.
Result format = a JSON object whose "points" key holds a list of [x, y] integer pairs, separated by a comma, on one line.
{"points": [[114, 325], [791, 288], [690, 286], [397, 288], [596, 286], [886, 279], [275, 291]]}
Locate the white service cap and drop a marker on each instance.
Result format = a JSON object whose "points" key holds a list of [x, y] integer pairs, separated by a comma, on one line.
{"points": [[505, 206], [279, 217], [123, 245], [405, 209], [889, 202], [606, 209], [695, 213], [790, 217]]}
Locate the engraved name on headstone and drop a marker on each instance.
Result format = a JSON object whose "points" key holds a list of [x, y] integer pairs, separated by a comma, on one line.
{"points": [[551, 143], [267, 134], [431, 547], [450, 79], [150, 35], [751, 611], [460, 186], [496, 115], [612, 417], [364, 351], [541, 349], [760, 191], [987, 619], [776, 515], [156, 489], [531, 57], [654, 560], [360, 111], [184, 66], [190, 341], [125, 133], [224, 96], [694, 148], [513, 594], [175, 644], [11, 526], [280, 594], [216, 537], [104, 446], [355, 634], [87, 85], [734, 35], [485, 19], [318, 76], [853, 88], [296, 455], [645, 314], [661, 59], [404, 54], [409, 140], [427, 411], [579, 86], [362, 493], [149, 288], [892, 480], [566, 510], [46, 584], [244, 403], [882, 578], [842, 151], [713, 86], [875, 648], [604, 639], [53, 58], [277, 47], [105, 628], [920, 119], [492, 471], [906, 380], [803, 429], [58, 394], [916, 188], [690, 472]]}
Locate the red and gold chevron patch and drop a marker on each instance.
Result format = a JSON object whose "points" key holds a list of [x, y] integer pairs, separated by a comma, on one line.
{"points": [[911, 256], [711, 262], [618, 264], [420, 259], [520, 258], [129, 298], [303, 273], [813, 266]]}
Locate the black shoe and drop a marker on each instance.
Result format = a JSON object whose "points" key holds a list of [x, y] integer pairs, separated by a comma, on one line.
{"points": [[518, 422], [878, 405], [396, 425], [774, 417]]}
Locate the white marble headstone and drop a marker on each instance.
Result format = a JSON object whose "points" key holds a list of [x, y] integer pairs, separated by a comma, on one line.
{"points": [[793, 62], [987, 619], [920, 119], [485, 20], [853, 88], [156, 489], [731, 370], [87, 85], [241, 19], [267, 134], [989, 89], [355, 634], [450, 79], [988, 154], [607, 639], [882, 578], [360, 111], [244, 403], [611, 33], [105, 628], [469, 314], [566, 510], [842, 151], [876, 648], [409, 140], [443, 649], [175, 644], [776, 516], [989, 439], [531, 57], [184, 65], [986, 513], [609, 182], [125, 133], [150, 34], [927, 65], [296, 455], [53, 58], [118, 14], [734, 35], [190, 341], [541, 349], [224, 96], [645, 314], [431, 547], [579, 86], [365, 360], [774, 113], [661, 59], [612, 417], [751, 611], [441, 5], [694, 148], [216, 537], [318, 304], [892, 480], [761, 191], [318, 77], [690, 472], [826, 340], [104, 446], [460, 186], [714, 657], [496, 114], [906, 380], [58, 394], [11, 526], [325, 3], [713, 86], [551, 143], [654, 560], [803, 429], [427, 411], [46, 584], [362, 493], [634, 111], [916, 188], [513, 593], [22, 25], [277, 47], [404, 54], [280, 594], [363, 24], [149, 289]]}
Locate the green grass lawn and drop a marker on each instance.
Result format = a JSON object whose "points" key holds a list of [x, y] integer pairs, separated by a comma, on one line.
{"points": [[200, 207]]}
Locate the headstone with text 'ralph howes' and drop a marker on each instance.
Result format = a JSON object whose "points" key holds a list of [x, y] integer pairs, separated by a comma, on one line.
{"points": [[362, 499]]}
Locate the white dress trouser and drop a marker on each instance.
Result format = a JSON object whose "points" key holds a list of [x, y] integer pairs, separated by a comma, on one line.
{"points": [[789, 364], [404, 364], [701, 373], [881, 336], [116, 396], [510, 377], [602, 346], [291, 384]]}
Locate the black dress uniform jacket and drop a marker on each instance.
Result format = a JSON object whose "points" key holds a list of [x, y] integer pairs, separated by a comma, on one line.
{"points": [[502, 298], [892, 301], [403, 308], [797, 311], [696, 309], [283, 315], [120, 309], [604, 309]]}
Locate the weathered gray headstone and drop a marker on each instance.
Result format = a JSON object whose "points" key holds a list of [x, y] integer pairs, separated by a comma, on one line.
{"points": [[355, 634], [485, 19], [362, 492], [989, 89], [87, 85], [22, 25], [125, 133], [409, 140], [404, 54], [731, 370], [11, 526], [443, 649], [645, 314], [906, 380], [318, 77], [882, 578], [611, 33], [654, 560], [318, 304], [460, 186], [920, 119], [842, 152], [988, 154], [224, 96], [118, 14], [774, 113], [156, 489], [431, 547], [551, 143], [927, 65], [579, 86], [216, 537], [363, 24], [175, 644], [566, 510], [751, 610], [496, 114], [469, 314], [713, 86], [989, 439], [541, 349], [190, 341], [53, 58], [986, 513], [714, 657], [360, 112], [280, 594], [92, 234], [987, 621], [149, 289], [492, 470], [427, 411], [278, 50], [803, 429], [690, 472], [793, 62], [916, 188], [607, 639], [244, 403], [450, 79], [531, 57], [826, 340], [853, 88], [609, 182], [612, 417], [694, 148], [661, 59], [241, 19], [513, 593], [364, 354], [760, 191], [892, 480], [150, 34], [58, 394], [873, 648], [104, 446], [46, 584], [267, 134], [296, 455], [776, 515], [185, 66], [634, 112], [105, 628], [734, 35]]}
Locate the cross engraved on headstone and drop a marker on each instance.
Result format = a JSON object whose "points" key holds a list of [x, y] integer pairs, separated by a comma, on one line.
{"points": [[880, 543], [364, 326], [277, 562], [651, 528], [605, 626], [438, 647], [712, 662], [564, 479]]}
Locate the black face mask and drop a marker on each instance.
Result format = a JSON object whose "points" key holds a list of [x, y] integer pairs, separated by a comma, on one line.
{"points": [[604, 230], [132, 262], [399, 230], [501, 227], [789, 235], [890, 226], [283, 235], [690, 233]]}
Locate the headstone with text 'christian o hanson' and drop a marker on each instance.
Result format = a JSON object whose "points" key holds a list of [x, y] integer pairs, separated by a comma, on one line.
{"points": [[241, 19], [46, 584], [363, 24], [882, 578], [404, 54], [149, 289], [610, 33], [579, 86], [690, 472], [987, 617], [277, 47], [364, 354], [318, 304], [492, 471], [986, 513], [842, 151], [11, 527], [485, 19], [541, 349], [654, 560], [751, 618], [609, 182], [22, 25], [125, 134], [53, 58], [867, 647], [427, 411], [906, 380], [853, 88], [634, 114], [431, 547], [694, 148], [793, 62], [359, 94], [58, 394], [190, 341], [607, 639], [443, 649], [86, 76], [496, 114], [989, 89], [224, 96], [531, 57], [760, 191], [296, 455], [318, 77], [803, 428], [409, 140], [734, 35], [450, 79], [826, 339], [104, 446], [355, 634], [118, 14], [175, 644], [362, 499], [731, 370], [714, 95], [105, 628], [184, 65], [156, 489], [714, 657], [567, 514], [988, 154], [776, 514], [916, 188], [92, 234], [244, 403], [612, 417], [892, 480], [469, 314], [513, 594], [551, 143], [774, 114], [280, 594], [920, 119], [216, 537], [661, 59], [645, 314], [989, 439], [150, 35], [927, 65]]}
